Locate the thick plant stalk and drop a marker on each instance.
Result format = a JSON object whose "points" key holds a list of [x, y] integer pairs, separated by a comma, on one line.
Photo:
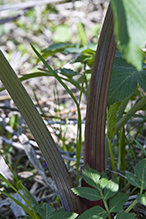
{"points": [[41, 134], [94, 148], [94, 152]]}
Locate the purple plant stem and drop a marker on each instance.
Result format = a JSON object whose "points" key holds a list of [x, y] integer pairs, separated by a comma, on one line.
{"points": [[94, 149]]}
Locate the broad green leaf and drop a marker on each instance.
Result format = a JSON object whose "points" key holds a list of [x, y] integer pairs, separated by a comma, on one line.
{"points": [[140, 172], [103, 182], [91, 177], [132, 179], [88, 193], [116, 203], [141, 198], [110, 189], [94, 213], [126, 216], [61, 214], [118, 54], [124, 80], [45, 211], [112, 119], [130, 17]]}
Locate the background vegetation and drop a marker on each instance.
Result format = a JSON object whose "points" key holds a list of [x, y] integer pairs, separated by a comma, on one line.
{"points": [[72, 58]]}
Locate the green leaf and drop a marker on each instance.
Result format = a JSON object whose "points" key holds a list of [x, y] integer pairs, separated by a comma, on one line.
{"points": [[112, 119], [91, 177], [61, 214], [140, 172], [124, 80], [67, 72], [110, 189], [28, 195], [20, 204], [40, 133], [117, 202], [85, 59], [103, 182], [88, 193], [88, 52], [139, 145], [141, 198], [11, 186], [55, 48], [130, 17], [126, 216], [132, 179], [74, 50], [94, 213], [45, 211], [34, 75], [79, 128]]}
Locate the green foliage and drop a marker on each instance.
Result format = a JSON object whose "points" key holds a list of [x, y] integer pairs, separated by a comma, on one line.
{"points": [[117, 202], [126, 216], [108, 191], [130, 29], [112, 119], [139, 145], [88, 193], [139, 179], [94, 213], [55, 48], [31, 212], [44, 211], [79, 131], [86, 54], [124, 80]]}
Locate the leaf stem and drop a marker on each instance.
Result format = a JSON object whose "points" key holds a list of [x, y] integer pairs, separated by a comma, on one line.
{"points": [[106, 207], [131, 206], [112, 156], [131, 112]]}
